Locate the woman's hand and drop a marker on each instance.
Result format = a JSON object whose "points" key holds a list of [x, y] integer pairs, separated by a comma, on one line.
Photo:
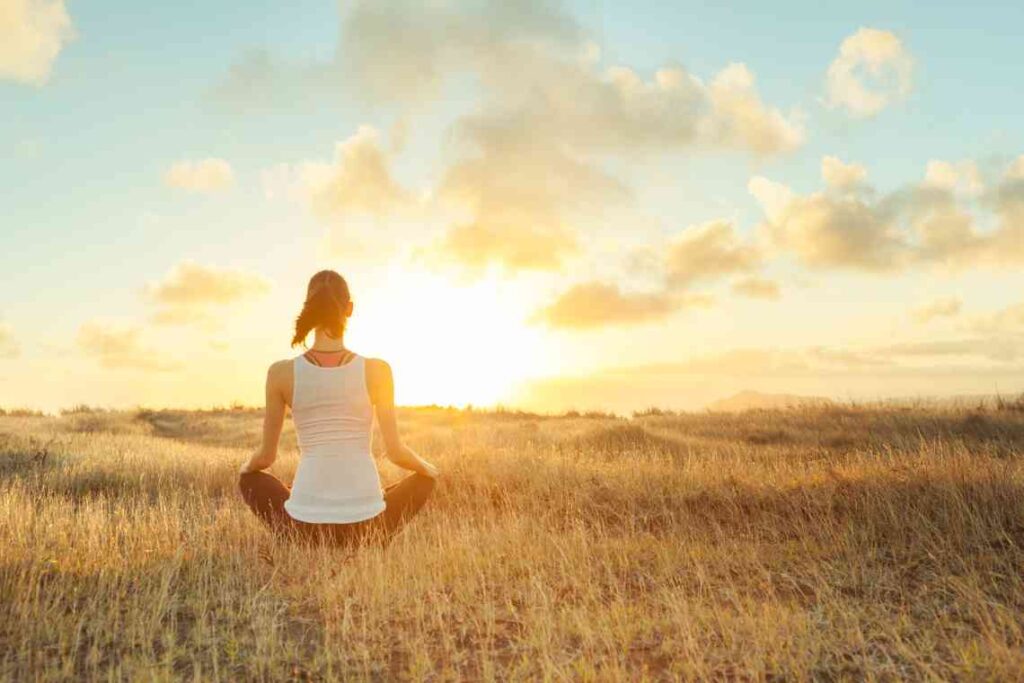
{"points": [[428, 469], [381, 385], [253, 464], [408, 459]]}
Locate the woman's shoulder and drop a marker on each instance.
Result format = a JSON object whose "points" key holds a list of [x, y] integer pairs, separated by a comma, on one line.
{"points": [[376, 368], [283, 365], [378, 374], [377, 364], [280, 369]]}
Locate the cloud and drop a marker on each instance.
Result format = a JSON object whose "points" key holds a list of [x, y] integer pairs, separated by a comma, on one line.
{"points": [[708, 251], [530, 164], [963, 177], [189, 291], [841, 176], [1016, 169], [402, 51], [757, 288], [741, 119], [9, 347], [589, 109], [773, 197], [845, 226], [527, 162], [504, 242], [941, 308], [829, 231], [596, 304], [871, 70], [699, 255], [260, 83], [193, 283], [1007, 198], [32, 34], [926, 223], [539, 69], [119, 346], [204, 176], [355, 194], [518, 196], [358, 181]]}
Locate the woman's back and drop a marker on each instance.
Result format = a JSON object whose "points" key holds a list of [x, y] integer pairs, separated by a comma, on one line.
{"points": [[337, 479], [336, 486]]}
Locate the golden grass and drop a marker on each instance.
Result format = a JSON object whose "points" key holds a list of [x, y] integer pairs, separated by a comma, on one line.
{"points": [[820, 544]]}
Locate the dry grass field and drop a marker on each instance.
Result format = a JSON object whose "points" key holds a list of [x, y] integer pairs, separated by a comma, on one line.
{"points": [[831, 543]]}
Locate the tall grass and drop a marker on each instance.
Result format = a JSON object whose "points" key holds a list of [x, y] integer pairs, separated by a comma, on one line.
{"points": [[827, 544]]}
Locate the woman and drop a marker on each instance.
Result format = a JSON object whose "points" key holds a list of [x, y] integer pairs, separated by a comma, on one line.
{"points": [[333, 393]]}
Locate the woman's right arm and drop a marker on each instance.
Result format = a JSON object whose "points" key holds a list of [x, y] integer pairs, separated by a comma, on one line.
{"points": [[273, 419], [381, 387]]}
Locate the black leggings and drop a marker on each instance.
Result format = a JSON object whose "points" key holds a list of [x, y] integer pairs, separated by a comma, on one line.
{"points": [[265, 494]]}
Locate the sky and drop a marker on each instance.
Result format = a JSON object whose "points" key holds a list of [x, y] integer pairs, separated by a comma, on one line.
{"points": [[544, 205]]}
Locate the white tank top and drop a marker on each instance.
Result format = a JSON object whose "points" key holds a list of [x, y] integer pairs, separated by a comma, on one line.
{"points": [[337, 479]]}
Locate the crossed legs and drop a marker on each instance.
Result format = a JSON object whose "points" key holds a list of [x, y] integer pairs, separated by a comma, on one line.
{"points": [[265, 495]]}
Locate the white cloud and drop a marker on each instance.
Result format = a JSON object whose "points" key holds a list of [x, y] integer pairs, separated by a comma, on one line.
{"points": [[842, 176], [204, 176], [826, 231], [708, 251], [403, 50], [531, 164], [540, 70], [962, 177], [357, 182], [741, 119], [32, 34], [518, 197], [773, 197], [355, 194], [700, 254], [116, 345], [871, 70], [1016, 169], [189, 283], [189, 291], [528, 162], [757, 288], [597, 304], [503, 241], [929, 223]]}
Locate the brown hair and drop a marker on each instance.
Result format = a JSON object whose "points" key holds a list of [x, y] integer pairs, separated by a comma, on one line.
{"points": [[326, 300]]}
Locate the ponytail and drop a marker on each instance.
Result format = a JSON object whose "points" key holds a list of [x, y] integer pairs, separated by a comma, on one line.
{"points": [[324, 308]]}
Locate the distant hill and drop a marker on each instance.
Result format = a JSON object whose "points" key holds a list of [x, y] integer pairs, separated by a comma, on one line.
{"points": [[755, 400]]}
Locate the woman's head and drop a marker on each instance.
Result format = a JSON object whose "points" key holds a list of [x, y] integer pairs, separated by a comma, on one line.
{"points": [[327, 307]]}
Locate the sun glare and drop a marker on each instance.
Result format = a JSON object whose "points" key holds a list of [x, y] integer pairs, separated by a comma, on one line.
{"points": [[449, 343]]}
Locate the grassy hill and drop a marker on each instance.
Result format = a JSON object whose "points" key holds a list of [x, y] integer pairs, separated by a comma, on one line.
{"points": [[829, 543]]}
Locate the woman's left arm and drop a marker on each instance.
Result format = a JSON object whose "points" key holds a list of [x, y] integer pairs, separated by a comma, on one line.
{"points": [[273, 421]]}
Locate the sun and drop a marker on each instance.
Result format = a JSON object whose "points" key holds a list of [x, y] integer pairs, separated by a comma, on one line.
{"points": [[449, 343]]}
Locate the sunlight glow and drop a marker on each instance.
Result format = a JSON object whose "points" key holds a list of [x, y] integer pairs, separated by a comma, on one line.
{"points": [[449, 343]]}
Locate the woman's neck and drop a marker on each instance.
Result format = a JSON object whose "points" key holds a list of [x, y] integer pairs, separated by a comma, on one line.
{"points": [[323, 342]]}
